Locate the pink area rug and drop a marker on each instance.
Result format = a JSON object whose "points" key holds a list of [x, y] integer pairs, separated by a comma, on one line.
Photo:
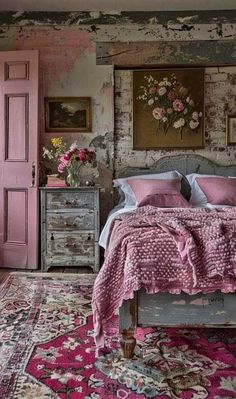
{"points": [[47, 349]]}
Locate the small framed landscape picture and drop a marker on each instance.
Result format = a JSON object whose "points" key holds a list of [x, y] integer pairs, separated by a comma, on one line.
{"points": [[230, 129], [68, 114]]}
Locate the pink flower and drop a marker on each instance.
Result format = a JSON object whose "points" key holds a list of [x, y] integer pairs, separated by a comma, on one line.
{"points": [[61, 168], [82, 155], [171, 95], [67, 155], [91, 156], [152, 90], [158, 113], [64, 161], [178, 105]]}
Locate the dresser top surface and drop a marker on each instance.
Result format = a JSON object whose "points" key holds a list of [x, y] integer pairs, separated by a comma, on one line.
{"points": [[84, 188]]}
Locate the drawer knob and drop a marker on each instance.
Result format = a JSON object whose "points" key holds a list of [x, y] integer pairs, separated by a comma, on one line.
{"points": [[67, 202], [73, 202], [70, 245], [52, 237], [89, 237]]}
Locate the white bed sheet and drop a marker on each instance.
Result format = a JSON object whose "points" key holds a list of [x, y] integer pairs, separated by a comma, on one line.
{"points": [[105, 231]]}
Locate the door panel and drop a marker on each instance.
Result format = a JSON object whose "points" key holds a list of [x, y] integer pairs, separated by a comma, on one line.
{"points": [[16, 70], [15, 229], [17, 115], [19, 159]]}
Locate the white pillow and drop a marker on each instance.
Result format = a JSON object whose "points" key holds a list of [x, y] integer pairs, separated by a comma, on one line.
{"points": [[123, 184], [198, 197]]}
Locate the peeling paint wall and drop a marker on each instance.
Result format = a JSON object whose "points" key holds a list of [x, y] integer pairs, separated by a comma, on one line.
{"points": [[68, 68], [67, 43]]}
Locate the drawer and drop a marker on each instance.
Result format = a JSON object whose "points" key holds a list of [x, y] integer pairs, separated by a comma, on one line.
{"points": [[71, 221], [66, 200], [70, 249]]}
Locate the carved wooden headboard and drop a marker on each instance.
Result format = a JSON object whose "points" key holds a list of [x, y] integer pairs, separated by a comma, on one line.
{"points": [[185, 164]]}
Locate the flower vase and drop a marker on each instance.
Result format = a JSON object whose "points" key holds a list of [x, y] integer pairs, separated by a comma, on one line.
{"points": [[72, 178]]}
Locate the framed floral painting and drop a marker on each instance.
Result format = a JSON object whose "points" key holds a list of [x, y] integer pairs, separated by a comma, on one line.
{"points": [[230, 129], [168, 108]]}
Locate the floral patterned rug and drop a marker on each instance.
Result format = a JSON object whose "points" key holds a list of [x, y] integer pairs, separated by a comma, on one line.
{"points": [[47, 349]]}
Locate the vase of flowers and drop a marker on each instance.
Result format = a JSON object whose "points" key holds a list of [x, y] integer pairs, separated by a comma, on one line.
{"points": [[68, 160], [71, 162], [72, 177]]}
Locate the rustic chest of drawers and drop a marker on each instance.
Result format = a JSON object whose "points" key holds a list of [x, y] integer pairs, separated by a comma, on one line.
{"points": [[69, 227]]}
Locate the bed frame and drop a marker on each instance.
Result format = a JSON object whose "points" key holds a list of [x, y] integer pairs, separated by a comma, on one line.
{"points": [[183, 310]]}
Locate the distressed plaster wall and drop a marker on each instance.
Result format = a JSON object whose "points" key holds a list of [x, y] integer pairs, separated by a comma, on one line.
{"points": [[68, 68], [67, 46]]}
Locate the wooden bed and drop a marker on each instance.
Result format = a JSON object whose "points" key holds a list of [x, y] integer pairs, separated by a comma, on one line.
{"points": [[183, 310]]}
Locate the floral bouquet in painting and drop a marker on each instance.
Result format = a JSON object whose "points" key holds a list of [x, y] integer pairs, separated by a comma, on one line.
{"points": [[170, 104]]}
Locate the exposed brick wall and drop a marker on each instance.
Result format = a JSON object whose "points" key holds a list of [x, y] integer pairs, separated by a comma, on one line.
{"points": [[220, 98]]}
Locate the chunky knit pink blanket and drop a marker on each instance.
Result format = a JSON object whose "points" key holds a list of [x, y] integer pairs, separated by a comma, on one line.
{"points": [[191, 250]]}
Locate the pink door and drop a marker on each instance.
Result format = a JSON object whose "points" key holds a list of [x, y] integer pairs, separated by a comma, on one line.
{"points": [[19, 159]]}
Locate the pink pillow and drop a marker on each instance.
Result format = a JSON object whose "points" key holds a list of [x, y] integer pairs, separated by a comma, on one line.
{"points": [[143, 187], [165, 200], [218, 190]]}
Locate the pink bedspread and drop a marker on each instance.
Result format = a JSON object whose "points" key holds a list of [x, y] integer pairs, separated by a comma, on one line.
{"points": [[189, 250]]}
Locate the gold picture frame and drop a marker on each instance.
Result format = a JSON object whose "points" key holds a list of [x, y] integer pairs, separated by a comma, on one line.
{"points": [[68, 114], [230, 129], [168, 108]]}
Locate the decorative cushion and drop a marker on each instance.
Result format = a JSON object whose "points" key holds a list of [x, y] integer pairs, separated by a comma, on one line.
{"points": [[141, 187], [124, 187], [165, 200], [218, 190], [198, 197]]}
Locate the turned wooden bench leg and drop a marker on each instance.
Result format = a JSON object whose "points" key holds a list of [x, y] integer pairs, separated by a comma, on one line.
{"points": [[128, 343], [128, 323]]}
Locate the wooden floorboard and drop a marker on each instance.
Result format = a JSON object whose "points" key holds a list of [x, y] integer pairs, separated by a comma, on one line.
{"points": [[74, 270]]}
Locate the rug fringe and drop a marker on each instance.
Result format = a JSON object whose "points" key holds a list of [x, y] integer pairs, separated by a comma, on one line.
{"points": [[82, 279], [72, 275]]}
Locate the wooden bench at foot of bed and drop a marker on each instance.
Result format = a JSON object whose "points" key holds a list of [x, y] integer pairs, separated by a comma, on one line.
{"points": [[168, 310]]}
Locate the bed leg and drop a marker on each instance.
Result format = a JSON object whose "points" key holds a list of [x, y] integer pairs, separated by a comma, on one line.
{"points": [[128, 343], [128, 323]]}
